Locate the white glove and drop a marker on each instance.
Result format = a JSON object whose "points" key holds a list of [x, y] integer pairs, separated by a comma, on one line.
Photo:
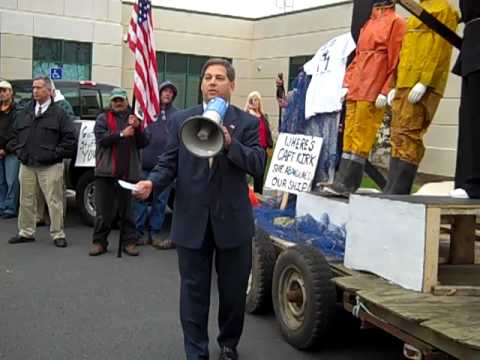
{"points": [[391, 96], [416, 93], [381, 101], [459, 194]]}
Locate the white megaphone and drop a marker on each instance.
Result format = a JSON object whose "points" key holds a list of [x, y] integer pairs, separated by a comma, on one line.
{"points": [[202, 135]]}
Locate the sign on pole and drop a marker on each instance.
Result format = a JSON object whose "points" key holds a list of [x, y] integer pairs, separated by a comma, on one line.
{"points": [[294, 163], [56, 73]]}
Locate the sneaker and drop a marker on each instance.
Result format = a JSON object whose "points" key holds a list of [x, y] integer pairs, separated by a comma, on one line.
{"points": [[166, 244], [228, 353]]}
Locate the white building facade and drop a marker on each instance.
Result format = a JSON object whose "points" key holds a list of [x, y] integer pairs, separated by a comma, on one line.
{"points": [[86, 39]]}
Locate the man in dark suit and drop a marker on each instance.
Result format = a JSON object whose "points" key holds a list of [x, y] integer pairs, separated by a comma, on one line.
{"points": [[212, 216], [467, 174]]}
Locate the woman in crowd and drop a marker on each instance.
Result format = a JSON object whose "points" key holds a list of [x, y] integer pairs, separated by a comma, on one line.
{"points": [[254, 106]]}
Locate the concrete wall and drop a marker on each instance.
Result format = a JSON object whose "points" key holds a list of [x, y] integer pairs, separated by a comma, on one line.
{"points": [[94, 21]]}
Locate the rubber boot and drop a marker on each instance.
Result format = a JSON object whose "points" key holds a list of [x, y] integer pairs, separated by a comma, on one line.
{"points": [[348, 177], [401, 175], [342, 171], [354, 176]]}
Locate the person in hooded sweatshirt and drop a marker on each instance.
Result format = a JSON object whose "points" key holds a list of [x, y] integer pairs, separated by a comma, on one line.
{"points": [[149, 219]]}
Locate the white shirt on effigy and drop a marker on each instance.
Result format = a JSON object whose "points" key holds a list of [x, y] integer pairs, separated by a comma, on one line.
{"points": [[327, 67]]}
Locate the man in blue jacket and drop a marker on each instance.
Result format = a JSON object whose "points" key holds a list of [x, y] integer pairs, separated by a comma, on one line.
{"points": [[212, 216], [158, 133]]}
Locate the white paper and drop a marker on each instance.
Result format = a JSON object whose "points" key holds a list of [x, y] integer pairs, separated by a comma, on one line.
{"points": [[86, 145], [127, 185]]}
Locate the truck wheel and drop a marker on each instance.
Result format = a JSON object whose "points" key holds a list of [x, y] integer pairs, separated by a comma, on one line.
{"points": [[259, 291], [85, 197], [304, 297]]}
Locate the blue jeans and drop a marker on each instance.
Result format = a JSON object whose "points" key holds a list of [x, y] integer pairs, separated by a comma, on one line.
{"points": [[156, 215], [324, 126], [9, 185]]}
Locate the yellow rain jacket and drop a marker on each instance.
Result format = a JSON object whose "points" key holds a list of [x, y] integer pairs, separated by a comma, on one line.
{"points": [[425, 56]]}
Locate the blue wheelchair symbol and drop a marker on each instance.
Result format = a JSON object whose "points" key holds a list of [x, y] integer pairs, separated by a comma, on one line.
{"points": [[56, 73]]}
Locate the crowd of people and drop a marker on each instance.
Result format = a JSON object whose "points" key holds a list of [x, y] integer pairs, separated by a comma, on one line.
{"points": [[212, 218]]}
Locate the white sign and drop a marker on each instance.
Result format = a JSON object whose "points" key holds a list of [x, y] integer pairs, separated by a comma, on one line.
{"points": [[391, 243], [86, 145], [294, 163]]}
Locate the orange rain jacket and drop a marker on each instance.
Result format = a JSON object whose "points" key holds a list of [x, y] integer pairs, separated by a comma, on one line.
{"points": [[376, 58]]}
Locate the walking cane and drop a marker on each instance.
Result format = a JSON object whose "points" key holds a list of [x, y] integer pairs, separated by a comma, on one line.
{"points": [[119, 250]]}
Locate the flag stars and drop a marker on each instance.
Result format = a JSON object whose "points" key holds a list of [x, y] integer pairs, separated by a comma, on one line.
{"points": [[144, 9]]}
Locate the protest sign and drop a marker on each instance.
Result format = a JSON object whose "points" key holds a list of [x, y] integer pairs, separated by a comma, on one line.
{"points": [[86, 145], [294, 163]]}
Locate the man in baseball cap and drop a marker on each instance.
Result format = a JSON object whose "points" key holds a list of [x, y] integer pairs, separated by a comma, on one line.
{"points": [[118, 93]]}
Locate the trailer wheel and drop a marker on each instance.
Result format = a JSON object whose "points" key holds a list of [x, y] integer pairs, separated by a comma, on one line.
{"points": [[303, 295], [85, 197], [259, 291]]}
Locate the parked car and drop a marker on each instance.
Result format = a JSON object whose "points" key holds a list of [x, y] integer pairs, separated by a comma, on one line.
{"points": [[88, 99]]}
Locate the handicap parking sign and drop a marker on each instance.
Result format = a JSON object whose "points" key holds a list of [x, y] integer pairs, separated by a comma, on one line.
{"points": [[56, 73]]}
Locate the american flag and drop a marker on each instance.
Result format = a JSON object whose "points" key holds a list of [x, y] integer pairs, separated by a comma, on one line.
{"points": [[141, 42]]}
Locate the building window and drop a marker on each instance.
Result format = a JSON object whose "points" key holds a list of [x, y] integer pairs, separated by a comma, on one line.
{"points": [[294, 67], [74, 57], [184, 72]]}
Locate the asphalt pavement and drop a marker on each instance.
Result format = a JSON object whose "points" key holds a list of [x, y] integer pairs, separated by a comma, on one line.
{"points": [[61, 304]]}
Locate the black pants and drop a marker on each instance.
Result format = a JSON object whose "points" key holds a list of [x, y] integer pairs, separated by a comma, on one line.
{"points": [[232, 268], [107, 194], [258, 181], [467, 174]]}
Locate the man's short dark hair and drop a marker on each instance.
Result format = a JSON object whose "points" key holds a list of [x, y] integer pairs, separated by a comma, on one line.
{"points": [[219, 61], [48, 82]]}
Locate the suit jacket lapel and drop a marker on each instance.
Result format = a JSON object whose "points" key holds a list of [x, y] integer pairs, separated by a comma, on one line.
{"points": [[230, 120]]}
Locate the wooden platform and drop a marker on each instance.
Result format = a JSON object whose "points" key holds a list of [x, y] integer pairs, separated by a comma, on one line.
{"points": [[448, 323], [410, 234]]}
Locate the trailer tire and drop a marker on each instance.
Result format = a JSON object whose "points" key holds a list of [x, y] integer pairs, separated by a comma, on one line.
{"points": [[259, 291], [304, 297]]}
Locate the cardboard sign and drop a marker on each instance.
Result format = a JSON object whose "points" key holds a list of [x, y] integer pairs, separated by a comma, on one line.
{"points": [[294, 163], [86, 145]]}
